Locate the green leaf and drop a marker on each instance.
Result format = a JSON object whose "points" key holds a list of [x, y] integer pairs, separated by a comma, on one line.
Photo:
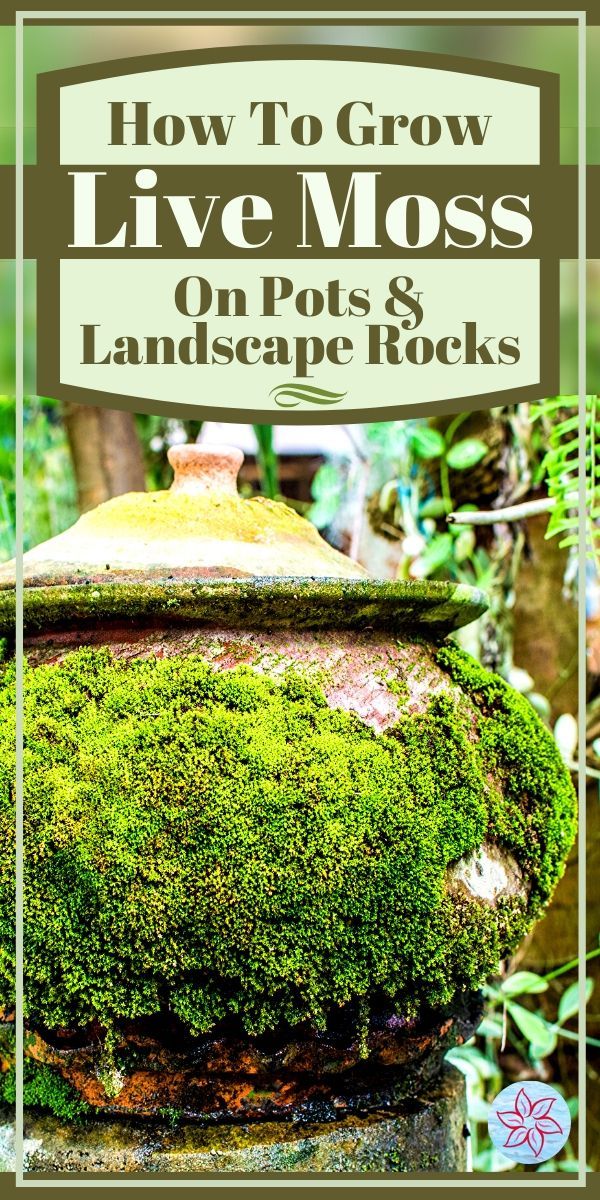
{"points": [[472, 1062], [533, 1027], [436, 507], [523, 983], [426, 442], [464, 544], [466, 453], [569, 1001], [541, 705], [327, 489], [568, 425], [463, 1065], [545, 1047], [491, 1161], [436, 553], [490, 1027]]}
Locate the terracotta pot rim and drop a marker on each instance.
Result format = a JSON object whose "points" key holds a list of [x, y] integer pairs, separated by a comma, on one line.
{"points": [[436, 606]]}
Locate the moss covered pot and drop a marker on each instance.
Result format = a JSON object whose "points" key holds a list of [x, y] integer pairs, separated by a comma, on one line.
{"points": [[260, 806]]}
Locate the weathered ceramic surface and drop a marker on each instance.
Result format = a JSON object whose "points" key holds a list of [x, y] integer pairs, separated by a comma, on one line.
{"points": [[377, 677], [352, 668], [423, 1134], [201, 528]]}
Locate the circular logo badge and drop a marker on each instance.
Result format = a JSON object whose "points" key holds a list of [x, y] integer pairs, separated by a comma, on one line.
{"points": [[529, 1122]]}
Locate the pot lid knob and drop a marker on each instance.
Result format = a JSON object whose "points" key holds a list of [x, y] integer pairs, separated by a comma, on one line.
{"points": [[202, 469]]}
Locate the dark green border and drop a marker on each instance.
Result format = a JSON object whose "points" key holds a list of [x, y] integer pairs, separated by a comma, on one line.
{"points": [[48, 281]]}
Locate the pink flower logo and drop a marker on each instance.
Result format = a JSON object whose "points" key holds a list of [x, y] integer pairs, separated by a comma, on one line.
{"points": [[529, 1122]]}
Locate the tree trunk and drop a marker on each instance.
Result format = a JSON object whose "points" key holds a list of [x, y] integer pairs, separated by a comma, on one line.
{"points": [[545, 645], [545, 621], [106, 453]]}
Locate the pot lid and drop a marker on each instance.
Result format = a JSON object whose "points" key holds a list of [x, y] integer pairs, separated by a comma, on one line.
{"points": [[200, 529], [200, 552]]}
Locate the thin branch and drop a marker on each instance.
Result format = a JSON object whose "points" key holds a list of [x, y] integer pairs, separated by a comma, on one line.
{"points": [[570, 966], [515, 512]]}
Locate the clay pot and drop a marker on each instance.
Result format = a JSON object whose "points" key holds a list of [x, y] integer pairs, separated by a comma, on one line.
{"points": [[200, 575]]}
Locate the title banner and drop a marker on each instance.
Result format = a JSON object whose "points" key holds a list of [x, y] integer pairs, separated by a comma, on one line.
{"points": [[298, 234]]}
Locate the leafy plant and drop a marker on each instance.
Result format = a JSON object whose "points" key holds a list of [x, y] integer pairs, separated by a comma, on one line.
{"points": [[267, 460], [416, 498], [328, 488], [560, 467], [533, 1036], [451, 551], [49, 494]]}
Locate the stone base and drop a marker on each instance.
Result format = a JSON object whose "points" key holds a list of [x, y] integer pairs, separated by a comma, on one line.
{"points": [[425, 1133], [7, 1139]]}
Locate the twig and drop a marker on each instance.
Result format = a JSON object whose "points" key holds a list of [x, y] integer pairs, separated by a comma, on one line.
{"points": [[565, 674], [515, 512], [570, 966]]}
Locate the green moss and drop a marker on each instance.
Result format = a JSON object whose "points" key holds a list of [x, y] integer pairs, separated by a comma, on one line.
{"points": [[224, 843], [303, 603], [8, 1086], [43, 1088], [172, 1116], [396, 685], [533, 811], [7, 1064], [179, 516]]}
